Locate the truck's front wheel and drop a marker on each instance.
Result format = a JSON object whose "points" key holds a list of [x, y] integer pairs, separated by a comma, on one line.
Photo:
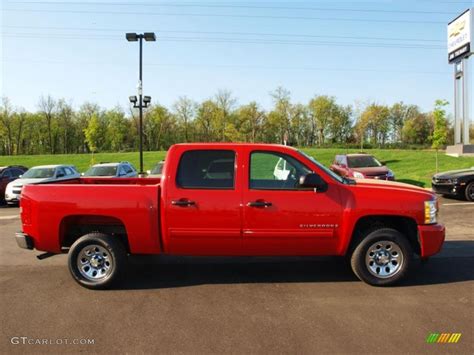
{"points": [[382, 258], [96, 260]]}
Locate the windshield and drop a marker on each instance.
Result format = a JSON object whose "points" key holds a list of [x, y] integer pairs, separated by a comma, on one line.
{"points": [[101, 171], [158, 169], [322, 167], [39, 173], [363, 161]]}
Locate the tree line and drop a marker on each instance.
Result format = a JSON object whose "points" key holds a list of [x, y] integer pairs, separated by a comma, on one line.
{"points": [[56, 127]]}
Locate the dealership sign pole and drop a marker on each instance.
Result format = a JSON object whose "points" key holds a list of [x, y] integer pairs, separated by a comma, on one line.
{"points": [[460, 47]]}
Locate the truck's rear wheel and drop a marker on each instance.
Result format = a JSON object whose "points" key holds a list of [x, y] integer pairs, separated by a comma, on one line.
{"points": [[382, 258], [96, 260]]}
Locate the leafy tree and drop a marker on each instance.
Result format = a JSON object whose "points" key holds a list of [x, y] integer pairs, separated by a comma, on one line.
{"points": [[440, 129], [92, 133], [185, 110], [250, 119], [374, 124], [6, 118], [324, 110]]}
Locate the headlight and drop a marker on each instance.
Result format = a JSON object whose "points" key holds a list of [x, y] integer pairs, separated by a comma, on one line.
{"points": [[358, 175], [431, 211], [390, 173]]}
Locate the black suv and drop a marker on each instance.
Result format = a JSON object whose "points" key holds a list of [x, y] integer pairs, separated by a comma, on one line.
{"points": [[8, 174], [458, 183]]}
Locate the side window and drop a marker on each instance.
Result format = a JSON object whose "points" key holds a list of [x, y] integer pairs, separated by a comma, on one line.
{"points": [[275, 171], [7, 174], [122, 171], [206, 169], [128, 169], [16, 173], [60, 172], [68, 171]]}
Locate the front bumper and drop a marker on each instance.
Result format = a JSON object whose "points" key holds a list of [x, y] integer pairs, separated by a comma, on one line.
{"points": [[12, 197], [24, 241], [447, 189], [431, 238]]}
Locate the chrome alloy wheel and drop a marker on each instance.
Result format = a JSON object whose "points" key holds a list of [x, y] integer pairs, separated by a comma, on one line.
{"points": [[94, 262], [384, 259]]}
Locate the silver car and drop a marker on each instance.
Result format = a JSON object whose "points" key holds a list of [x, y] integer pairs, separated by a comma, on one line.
{"points": [[119, 170], [38, 175]]}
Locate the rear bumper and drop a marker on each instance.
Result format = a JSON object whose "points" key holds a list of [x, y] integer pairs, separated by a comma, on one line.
{"points": [[431, 238], [24, 241]]}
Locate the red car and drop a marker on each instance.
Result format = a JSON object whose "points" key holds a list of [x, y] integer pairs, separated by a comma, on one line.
{"points": [[7, 175], [361, 166], [232, 200]]}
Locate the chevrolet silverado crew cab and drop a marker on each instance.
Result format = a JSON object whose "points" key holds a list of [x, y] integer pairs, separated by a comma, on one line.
{"points": [[232, 200]]}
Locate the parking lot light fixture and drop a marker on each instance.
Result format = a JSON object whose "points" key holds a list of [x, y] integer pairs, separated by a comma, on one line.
{"points": [[131, 37]]}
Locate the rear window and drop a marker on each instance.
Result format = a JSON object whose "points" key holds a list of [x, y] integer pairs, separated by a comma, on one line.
{"points": [[206, 169], [101, 171]]}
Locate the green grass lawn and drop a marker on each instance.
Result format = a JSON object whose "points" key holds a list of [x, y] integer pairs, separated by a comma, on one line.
{"points": [[410, 166]]}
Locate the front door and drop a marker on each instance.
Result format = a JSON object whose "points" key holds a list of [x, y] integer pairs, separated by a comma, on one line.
{"points": [[280, 218], [203, 204]]}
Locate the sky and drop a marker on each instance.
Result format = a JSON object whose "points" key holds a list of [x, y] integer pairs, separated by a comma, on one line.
{"points": [[358, 51]]}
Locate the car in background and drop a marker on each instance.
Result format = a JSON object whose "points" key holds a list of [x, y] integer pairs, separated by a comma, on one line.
{"points": [[118, 170], [157, 170], [361, 166], [7, 175], [458, 183], [38, 175]]}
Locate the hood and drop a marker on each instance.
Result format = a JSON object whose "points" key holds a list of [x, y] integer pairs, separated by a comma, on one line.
{"points": [[391, 185], [455, 174], [21, 182], [378, 170]]}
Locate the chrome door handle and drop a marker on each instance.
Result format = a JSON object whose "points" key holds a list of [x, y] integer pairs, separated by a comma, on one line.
{"points": [[183, 203], [259, 204]]}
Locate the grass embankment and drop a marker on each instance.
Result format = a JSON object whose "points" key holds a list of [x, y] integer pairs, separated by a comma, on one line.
{"points": [[410, 166]]}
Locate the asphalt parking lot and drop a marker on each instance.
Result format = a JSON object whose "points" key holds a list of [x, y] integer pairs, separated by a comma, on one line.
{"points": [[256, 305]]}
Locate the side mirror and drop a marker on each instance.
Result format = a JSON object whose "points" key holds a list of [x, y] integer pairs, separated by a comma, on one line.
{"points": [[383, 163], [313, 181], [60, 175]]}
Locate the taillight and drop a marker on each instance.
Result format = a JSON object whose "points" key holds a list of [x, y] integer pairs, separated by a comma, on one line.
{"points": [[25, 211]]}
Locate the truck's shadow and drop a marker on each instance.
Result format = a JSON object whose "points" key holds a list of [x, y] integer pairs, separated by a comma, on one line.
{"points": [[158, 272]]}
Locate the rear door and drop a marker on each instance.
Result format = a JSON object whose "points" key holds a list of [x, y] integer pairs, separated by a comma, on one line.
{"points": [[203, 203], [280, 218]]}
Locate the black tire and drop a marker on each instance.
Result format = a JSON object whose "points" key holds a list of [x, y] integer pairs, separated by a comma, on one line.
{"points": [[468, 192], [374, 269], [105, 253]]}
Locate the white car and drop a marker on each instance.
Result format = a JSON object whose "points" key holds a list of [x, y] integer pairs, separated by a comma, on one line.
{"points": [[37, 175], [120, 170]]}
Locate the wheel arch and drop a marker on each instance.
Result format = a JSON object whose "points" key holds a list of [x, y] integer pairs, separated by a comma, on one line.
{"points": [[407, 226], [73, 227]]}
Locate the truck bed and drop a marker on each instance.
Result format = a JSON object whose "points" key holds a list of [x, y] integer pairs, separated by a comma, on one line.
{"points": [[51, 211]]}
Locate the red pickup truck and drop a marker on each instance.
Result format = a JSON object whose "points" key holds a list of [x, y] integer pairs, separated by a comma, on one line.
{"points": [[232, 200]]}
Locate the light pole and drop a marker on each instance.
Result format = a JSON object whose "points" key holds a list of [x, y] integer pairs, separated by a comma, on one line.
{"points": [[142, 101]]}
